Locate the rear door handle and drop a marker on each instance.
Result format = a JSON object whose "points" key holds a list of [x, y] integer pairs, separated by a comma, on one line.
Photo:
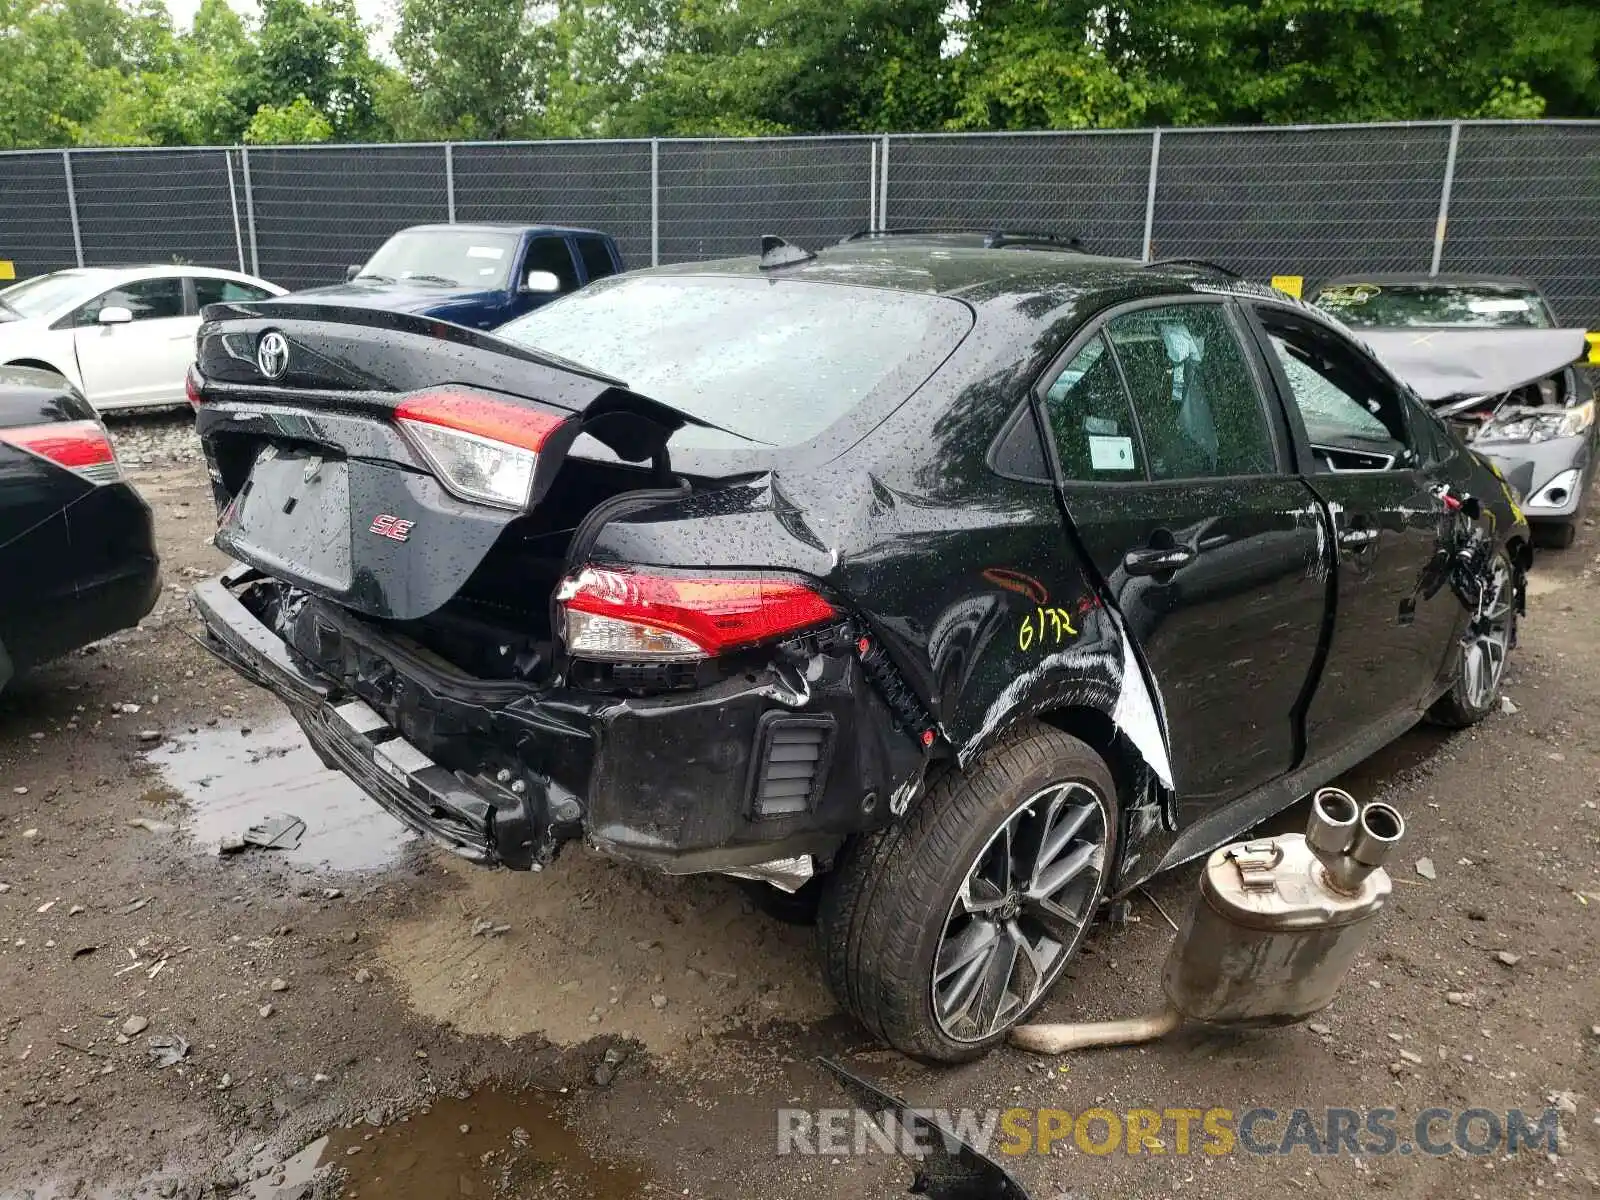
{"points": [[1154, 561]]}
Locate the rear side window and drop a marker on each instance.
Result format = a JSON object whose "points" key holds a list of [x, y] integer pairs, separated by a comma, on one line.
{"points": [[1199, 408], [1090, 420], [596, 257], [551, 254], [773, 360], [211, 290]]}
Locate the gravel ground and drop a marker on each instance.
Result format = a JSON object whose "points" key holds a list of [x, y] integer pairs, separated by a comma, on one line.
{"points": [[365, 1016]]}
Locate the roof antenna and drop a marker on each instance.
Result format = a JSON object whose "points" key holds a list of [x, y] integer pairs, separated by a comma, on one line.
{"points": [[775, 252]]}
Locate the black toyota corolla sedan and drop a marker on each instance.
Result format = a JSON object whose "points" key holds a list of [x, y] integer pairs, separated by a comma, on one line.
{"points": [[959, 586], [77, 553]]}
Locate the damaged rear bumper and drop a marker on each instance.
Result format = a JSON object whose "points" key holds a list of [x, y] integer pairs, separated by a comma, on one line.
{"points": [[502, 773]]}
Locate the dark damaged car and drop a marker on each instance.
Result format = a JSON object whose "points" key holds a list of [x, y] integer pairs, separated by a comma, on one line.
{"points": [[960, 588], [1485, 351]]}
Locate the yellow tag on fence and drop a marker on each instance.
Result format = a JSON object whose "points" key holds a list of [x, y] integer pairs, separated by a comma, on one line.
{"points": [[1292, 284], [8, 269], [1594, 348]]}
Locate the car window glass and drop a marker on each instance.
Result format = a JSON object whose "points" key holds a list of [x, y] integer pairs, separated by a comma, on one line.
{"points": [[596, 254], [146, 299], [1354, 417], [1198, 405], [209, 289], [551, 254], [1091, 421]]}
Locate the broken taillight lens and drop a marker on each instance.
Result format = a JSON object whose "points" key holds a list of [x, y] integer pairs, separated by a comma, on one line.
{"points": [[480, 446], [82, 447], [630, 616]]}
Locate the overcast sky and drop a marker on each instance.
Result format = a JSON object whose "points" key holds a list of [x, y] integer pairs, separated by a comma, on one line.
{"points": [[376, 14]]}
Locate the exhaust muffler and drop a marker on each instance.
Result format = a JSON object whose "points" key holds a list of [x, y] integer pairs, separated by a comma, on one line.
{"points": [[1273, 932]]}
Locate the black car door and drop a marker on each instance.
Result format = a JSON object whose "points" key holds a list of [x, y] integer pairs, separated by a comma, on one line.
{"points": [[1207, 544], [1394, 627]]}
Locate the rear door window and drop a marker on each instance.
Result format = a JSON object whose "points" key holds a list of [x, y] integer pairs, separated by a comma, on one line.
{"points": [[773, 360], [554, 255], [1091, 421], [1199, 407], [208, 289], [596, 255]]}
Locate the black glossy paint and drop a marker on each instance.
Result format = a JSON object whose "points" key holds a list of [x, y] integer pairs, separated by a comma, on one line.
{"points": [[986, 591], [77, 560]]}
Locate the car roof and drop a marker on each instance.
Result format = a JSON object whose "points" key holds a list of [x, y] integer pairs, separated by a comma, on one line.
{"points": [[142, 270], [951, 265], [499, 227], [1423, 279]]}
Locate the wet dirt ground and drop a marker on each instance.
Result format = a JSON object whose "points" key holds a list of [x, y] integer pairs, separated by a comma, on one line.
{"points": [[331, 1024]]}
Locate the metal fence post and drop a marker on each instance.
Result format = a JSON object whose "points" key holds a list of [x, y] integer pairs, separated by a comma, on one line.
{"points": [[1150, 196], [250, 209], [72, 205], [233, 202], [872, 187], [655, 202], [883, 185], [450, 182], [1444, 197]]}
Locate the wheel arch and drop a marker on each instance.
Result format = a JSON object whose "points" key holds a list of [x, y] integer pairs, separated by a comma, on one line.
{"points": [[39, 364], [1144, 806]]}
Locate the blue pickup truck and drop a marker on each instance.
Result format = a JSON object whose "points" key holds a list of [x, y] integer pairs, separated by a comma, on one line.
{"points": [[479, 275]]}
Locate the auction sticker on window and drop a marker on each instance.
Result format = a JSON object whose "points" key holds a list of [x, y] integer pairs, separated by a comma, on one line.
{"points": [[1111, 453], [486, 252]]}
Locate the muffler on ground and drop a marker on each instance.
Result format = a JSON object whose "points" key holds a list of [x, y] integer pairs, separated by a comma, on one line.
{"points": [[1272, 934]]}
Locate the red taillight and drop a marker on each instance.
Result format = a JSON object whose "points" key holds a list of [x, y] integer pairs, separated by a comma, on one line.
{"points": [[191, 386], [481, 447], [630, 615], [80, 446], [462, 411]]}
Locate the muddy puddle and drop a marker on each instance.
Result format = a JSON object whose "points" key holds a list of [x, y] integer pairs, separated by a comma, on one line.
{"points": [[493, 1145], [231, 780]]}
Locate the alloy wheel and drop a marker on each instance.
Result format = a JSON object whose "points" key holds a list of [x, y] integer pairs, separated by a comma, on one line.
{"points": [[1484, 649], [1023, 907]]}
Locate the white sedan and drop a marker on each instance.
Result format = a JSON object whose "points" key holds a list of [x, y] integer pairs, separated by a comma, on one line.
{"points": [[123, 335]]}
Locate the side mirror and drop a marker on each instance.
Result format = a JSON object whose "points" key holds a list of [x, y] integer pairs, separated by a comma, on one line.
{"points": [[114, 314], [351, 272], [544, 283]]}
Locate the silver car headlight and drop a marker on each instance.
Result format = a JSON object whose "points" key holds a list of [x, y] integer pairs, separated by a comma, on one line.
{"points": [[1525, 425]]}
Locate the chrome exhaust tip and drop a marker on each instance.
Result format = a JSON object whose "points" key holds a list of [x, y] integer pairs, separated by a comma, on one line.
{"points": [[1382, 828], [1335, 816]]}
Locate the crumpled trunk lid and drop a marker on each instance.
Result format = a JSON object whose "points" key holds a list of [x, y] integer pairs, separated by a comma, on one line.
{"points": [[317, 484]]}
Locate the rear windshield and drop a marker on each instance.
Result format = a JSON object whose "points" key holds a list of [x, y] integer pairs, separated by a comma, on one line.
{"points": [[774, 360], [1478, 306]]}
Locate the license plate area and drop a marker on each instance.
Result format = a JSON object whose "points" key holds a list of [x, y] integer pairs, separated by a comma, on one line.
{"points": [[294, 513]]}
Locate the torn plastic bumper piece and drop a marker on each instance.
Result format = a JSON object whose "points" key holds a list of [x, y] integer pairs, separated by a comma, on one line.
{"points": [[950, 1167], [352, 737]]}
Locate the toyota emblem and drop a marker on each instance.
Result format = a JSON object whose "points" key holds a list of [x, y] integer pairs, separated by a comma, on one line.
{"points": [[272, 354]]}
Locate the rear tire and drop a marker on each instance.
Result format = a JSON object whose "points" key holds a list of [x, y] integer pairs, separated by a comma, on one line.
{"points": [[944, 931], [1480, 667]]}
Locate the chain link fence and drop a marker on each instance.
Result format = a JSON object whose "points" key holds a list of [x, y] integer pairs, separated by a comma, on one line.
{"points": [[1505, 197]]}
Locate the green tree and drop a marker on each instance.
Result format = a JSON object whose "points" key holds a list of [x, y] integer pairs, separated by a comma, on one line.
{"points": [[297, 122], [316, 50], [49, 86], [471, 63]]}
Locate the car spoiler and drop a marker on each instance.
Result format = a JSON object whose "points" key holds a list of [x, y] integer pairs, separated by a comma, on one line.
{"points": [[1446, 364]]}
